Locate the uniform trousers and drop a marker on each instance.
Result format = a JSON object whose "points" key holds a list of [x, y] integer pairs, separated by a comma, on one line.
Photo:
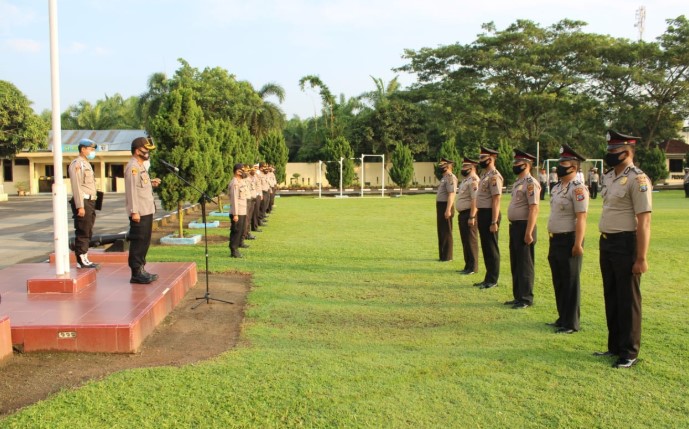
{"points": [[236, 232], [444, 227], [250, 203], [593, 190], [686, 190], [272, 200], [489, 245], [255, 219], [522, 262], [139, 241], [543, 186], [622, 293], [566, 271], [83, 226], [469, 236], [264, 205]]}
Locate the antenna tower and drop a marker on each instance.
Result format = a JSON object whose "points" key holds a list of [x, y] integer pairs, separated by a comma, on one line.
{"points": [[640, 21]]}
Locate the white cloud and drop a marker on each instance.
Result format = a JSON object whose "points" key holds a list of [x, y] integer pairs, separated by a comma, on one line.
{"points": [[23, 45], [75, 48], [12, 16]]}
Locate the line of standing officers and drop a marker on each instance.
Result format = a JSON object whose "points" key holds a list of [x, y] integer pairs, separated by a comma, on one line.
{"points": [[624, 226], [252, 196]]}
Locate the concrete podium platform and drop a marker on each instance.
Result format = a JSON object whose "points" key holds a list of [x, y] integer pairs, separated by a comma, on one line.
{"points": [[102, 313]]}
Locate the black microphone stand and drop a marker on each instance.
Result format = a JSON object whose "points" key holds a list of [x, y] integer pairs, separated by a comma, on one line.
{"points": [[204, 197]]}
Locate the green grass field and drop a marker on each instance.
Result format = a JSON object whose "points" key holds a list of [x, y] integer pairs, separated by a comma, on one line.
{"points": [[352, 322]]}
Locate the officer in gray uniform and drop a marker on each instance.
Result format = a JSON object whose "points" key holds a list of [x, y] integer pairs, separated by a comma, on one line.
{"points": [[594, 178], [250, 202], [83, 201], [138, 193], [466, 207], [523, 214], [444, 202], [569, 203], [625, 227], [238, 193], [488, 216], [686, 182], [265, 193]]}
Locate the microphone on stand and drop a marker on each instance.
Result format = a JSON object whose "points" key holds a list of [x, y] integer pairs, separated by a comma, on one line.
{"points": [[168, 165]]}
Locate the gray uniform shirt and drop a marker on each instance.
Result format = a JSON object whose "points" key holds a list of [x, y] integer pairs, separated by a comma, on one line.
{"points": [[489, 185], [238, 192], [624, 197], [263, 180], [593, 177], [686, 177], [467, 191], [138, 191], [565, 203], [448, 185], [83, 181], [525, 192]]}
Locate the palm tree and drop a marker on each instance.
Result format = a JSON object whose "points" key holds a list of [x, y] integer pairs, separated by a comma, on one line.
{"points": [[329, 102], [382, 93], [149, 102], [268, 116]]}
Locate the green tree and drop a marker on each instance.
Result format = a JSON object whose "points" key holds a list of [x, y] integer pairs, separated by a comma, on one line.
{"points": [[652, 161], [333, 150], [505, 161], [448, 151], [326, 97], [182, 139], [268, 116], [274, 151], [402, 171], [20, 127], [112, 113]]}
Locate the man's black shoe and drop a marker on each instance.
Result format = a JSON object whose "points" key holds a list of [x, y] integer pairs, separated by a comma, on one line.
{"points": [[564, 331], [479, 284], [257, 230], [153, 277], [521, 306], [514, 301], [624, 363], [251, 237], [466, 272], [236, 255], [604, 354], [141, 278], [487, 285], [244, 246], [554, 324]]}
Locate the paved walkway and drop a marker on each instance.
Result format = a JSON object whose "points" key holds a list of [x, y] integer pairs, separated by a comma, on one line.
{"points": [[26, 226]]}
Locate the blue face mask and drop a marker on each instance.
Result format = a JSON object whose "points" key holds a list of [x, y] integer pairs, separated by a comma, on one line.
{"points": [[91, 155]]}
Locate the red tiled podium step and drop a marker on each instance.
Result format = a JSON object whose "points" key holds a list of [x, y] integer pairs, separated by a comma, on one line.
{"points": [[5, 338], [74, 282], [111, 316]]}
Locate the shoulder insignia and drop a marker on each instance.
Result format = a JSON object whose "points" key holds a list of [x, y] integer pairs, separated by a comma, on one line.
{"points": [[643, 182], [494, 181], [135, 171], [529, 179], [576, 182]]}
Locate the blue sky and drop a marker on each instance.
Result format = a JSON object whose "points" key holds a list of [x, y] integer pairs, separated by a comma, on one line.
{"points": [[109, 47]]}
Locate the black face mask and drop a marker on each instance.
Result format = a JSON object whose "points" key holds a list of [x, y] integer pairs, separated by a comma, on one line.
{"points": [[562, 171], [517, 169], [465, 173], [613, 159], [484, 164]]}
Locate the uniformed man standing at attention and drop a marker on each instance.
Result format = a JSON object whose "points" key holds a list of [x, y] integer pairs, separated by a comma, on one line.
{"points": [[543, 181], [523, 214], [567, 227], [238, 194], [257, 195], [83, 201], [625, 227], [250, 202], [552, 178], [138, 187], [686, 182], [594, 178], [444, 203], [488, 216], [466, 207]]}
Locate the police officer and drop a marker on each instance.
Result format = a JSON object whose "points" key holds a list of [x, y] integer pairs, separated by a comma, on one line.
{"points": [[257, 195], [594, 178], [466, 207], [543, 181], [686, 182], [625, 227], [444, 202], [273, 183], [523, 214], [83, 201], [238, 195], [488, 216], [265, 193], [567, 227], [250, 202], [552, 178], [138, 187]]}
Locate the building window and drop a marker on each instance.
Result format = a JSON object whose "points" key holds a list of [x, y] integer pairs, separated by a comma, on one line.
{"points": [[676, 165], [49, 170], [21, 161], [7, 170]]}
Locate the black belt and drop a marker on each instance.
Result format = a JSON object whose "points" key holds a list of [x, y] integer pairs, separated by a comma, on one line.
{"points": [[614, 235], [560, 234]]}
